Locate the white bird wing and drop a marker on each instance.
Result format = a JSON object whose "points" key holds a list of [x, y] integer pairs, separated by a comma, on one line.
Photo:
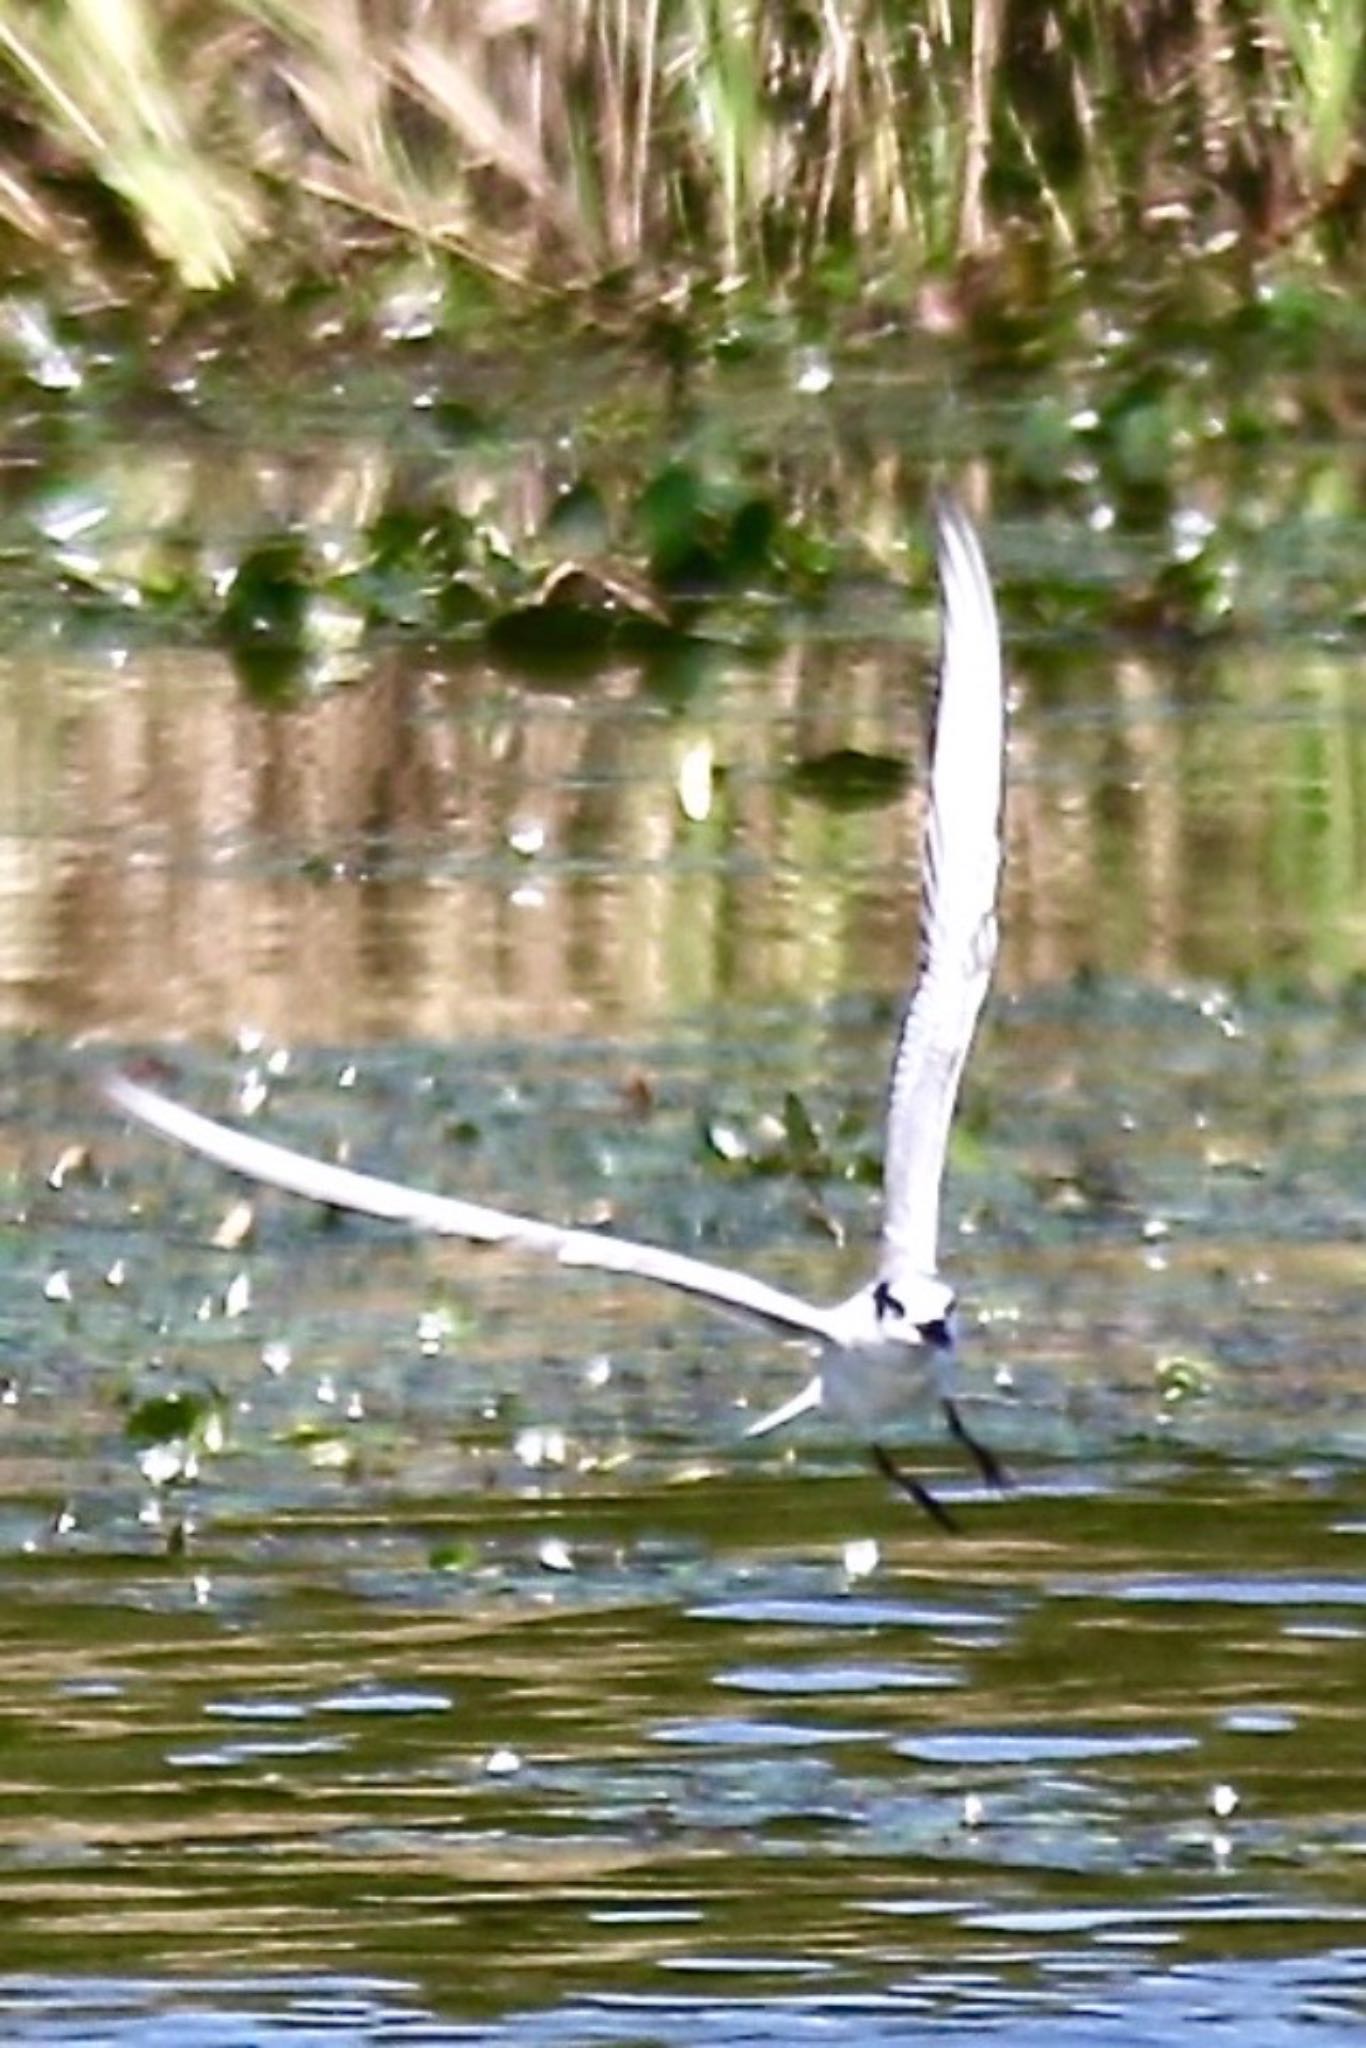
{"points": [[340, 1187], [960, 867]]}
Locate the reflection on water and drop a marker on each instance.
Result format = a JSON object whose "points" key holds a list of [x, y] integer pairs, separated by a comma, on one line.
{"points": [[480, 1684], [450, 857]]}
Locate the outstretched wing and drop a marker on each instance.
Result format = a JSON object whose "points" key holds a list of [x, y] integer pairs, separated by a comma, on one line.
{"points": [[445, 1215], [960, 866]]}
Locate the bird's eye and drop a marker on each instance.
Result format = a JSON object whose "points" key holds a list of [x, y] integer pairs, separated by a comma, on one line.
{"points": [[938, 1333], [886, 1303]]}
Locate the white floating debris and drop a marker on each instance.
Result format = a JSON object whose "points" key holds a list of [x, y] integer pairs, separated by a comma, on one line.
{"points": [[159, 1464], [249, 1040], [63, 1522], [1223, 1801], [527, 897], [57, 1286], [276, 1357], [326, 1390], [237, 1296], [535, 1447], [74, 1159], [149, 1514], [236, 1226], [527, 838], [553, 1556], [252, 1092], [347, 1077], [278, 1063], [330, 1454], [433, 1328], [502, 1763], [1155, 1228], [974, 1810], [117, 1274], [814, 374], [355, 1408], [202, 1587], [695, 781], [1003, 1379], [727, 1143], [598, 1371], [861, 1557]]}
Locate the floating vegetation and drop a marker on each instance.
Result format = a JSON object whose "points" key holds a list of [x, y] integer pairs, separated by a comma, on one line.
{"points": [[848, 779], [792, 1142], [171, 1433]]}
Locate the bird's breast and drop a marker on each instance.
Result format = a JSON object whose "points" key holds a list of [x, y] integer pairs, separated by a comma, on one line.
{"points": [[867, 1386]]}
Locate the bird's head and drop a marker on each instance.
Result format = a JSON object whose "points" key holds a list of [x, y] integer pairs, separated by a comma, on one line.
{"points": [[916, 1309]]}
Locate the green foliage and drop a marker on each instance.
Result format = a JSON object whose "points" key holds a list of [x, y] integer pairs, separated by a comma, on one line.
{"points": [[284, 630], [172, 1433], [182, 1416]]}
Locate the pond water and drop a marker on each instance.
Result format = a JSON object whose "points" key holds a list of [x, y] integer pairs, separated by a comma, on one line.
{"points": [[401, 1643]]}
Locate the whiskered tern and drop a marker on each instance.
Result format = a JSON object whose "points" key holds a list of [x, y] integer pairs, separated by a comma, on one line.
{"points": [[901, 1322]]}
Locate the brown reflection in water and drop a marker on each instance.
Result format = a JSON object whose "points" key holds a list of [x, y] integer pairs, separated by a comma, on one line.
{"points": [[174, 861]]}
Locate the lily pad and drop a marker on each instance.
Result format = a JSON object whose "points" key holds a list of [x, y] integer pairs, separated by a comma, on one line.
{"points": [[848, 779]]}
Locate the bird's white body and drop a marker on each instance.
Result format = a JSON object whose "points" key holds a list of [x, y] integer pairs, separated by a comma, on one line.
{"points": [[893, 1338], [865, 1378]]}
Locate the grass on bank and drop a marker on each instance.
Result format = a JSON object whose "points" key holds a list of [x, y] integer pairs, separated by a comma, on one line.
{"points": [[564, 142]]}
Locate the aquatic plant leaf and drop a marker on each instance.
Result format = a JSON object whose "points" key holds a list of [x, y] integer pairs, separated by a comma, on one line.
{"points": [[551, 636], [455, 1556], [805, 1149], [182, 1416], [749, 542], [267, 600], [673, 516], [580, 614], [848, 779]]}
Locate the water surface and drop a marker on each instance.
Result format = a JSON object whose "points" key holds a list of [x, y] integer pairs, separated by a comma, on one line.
{"points": [[445, 1666]]}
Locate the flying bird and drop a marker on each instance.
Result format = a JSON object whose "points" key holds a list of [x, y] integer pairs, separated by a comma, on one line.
{"points": [[897, 1332]]}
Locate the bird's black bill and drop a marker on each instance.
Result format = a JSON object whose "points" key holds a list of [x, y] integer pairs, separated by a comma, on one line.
{"points": [[921, 1495], [987, 1463]]}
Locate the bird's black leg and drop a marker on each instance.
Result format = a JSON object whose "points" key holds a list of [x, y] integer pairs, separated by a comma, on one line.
{"points": [[921, 1495], [987, 1463]]}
